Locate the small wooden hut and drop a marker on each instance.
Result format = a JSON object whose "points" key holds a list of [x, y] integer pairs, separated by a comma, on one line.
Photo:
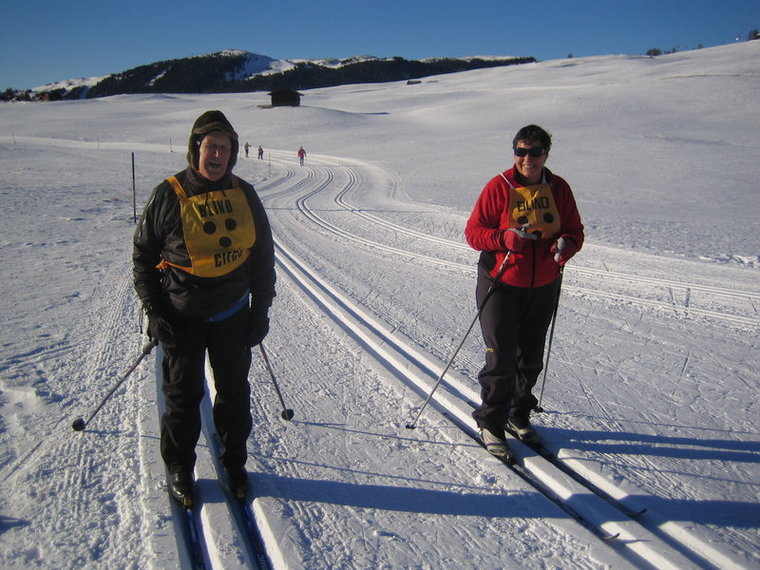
{"points": [[285, 97]]}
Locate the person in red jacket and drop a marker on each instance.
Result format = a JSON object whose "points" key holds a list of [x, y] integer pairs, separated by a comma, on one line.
{"points": [[526, 225]]}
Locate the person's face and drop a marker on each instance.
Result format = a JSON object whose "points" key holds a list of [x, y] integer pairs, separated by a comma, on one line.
{"points": [[530, 166], [214, 155]]}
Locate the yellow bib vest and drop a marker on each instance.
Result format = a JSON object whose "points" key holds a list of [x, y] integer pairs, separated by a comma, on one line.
{"points": [[218, 230], [534, 205]]}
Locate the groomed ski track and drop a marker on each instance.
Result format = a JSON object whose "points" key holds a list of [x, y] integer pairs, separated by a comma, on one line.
{"points": [[318, 198], [652, 370], [344, 484], [323, 201], [324, 192], [217, 532]]}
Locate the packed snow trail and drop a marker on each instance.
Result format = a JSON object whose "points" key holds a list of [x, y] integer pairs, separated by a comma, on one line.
{"points": [[643, 392], [358, 324], [277, 463]]}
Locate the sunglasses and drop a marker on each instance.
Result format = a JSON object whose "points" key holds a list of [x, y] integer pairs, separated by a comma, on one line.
{"points": [[535, 152]]}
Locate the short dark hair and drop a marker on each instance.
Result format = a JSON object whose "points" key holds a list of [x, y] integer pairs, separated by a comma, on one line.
{"points": [[533, 134]]}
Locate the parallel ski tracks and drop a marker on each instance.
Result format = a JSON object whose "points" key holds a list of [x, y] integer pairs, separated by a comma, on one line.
{"points": [[313, 215], [599, 505], [244, 519], [615, 520], [195, 532], [665, 294]]}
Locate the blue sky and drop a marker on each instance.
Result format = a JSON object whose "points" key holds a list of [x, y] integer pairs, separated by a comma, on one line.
{"points": [[42, 41]]}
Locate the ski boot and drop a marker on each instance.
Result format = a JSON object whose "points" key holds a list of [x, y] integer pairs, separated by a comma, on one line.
{"points": [[182, 486], [495, 442], [237, 478], [523, 429]]}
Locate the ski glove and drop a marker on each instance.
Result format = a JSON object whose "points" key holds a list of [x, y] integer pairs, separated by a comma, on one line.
{"points": [[564, 249], [258, 326], [515, 239], [161, 329]]}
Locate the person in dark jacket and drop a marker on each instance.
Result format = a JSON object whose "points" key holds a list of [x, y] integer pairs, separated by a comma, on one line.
{"points": [[526, 225], [204, 271]]}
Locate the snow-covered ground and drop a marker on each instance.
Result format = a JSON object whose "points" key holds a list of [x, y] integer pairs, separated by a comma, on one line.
{"points": [[653, 377]]}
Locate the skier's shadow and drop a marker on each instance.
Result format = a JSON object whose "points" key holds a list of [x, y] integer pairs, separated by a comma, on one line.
{"points": [[629, 443], [520, 504], [7, 523], [595, 444]]}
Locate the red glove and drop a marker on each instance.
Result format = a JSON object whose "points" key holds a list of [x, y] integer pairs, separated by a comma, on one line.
{"points": [[515, 239], [564, 249]]}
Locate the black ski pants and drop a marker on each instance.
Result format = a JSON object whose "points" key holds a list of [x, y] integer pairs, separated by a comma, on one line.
{"points": [[184, 387], [513, 322]]}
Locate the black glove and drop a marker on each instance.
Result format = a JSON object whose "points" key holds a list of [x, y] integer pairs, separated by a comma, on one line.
{"points": [[161, 329], [258, 326]]}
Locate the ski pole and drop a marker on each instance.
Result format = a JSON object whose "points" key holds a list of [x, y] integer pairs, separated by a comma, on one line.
{"points": [[491, 289], [540, 409], [287, 414], [79, 423]]}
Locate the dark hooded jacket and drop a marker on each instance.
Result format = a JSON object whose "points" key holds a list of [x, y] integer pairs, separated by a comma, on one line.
{"points": [[167, 289], [171, 290]]}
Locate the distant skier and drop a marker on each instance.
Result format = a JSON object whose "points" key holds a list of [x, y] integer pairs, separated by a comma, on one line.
{"points": [[204, 271], [529, 214], [301, 155], [246, 147], [261, 153]]}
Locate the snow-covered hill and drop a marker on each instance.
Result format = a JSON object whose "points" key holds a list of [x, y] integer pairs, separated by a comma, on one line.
{"points": [[242, 71], [253, 64], [653, 376]]}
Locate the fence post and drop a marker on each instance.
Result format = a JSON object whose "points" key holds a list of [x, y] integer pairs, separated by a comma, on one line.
{"points": [[134, 190]]}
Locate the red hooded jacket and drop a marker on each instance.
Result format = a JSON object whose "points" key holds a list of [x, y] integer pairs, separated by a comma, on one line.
{"points": [[549, 209]]}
